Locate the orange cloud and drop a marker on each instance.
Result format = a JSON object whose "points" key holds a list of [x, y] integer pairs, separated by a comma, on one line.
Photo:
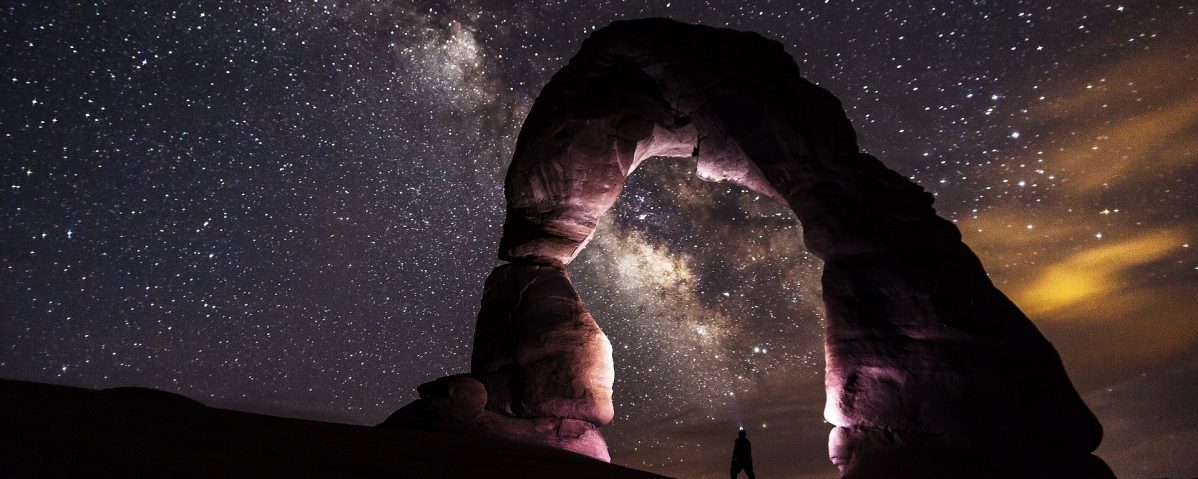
{"points": [[1128, 123], [1144, 145], [1094, 278]]}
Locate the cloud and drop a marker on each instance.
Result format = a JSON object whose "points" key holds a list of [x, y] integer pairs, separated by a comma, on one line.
{"points": [[1133, 150], [1093, 277], [1096, 256], [1129, 122]]}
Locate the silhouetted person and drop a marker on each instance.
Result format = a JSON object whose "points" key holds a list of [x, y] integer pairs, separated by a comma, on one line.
{"points": [[742, 455]]}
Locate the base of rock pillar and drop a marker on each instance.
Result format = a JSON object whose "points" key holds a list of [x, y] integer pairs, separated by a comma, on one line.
{"points": [[862, 453], [562, 433], [456, 404]]}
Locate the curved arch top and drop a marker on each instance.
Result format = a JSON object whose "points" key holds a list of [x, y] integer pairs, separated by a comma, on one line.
{"points": [[923, 352], [645, 88]]}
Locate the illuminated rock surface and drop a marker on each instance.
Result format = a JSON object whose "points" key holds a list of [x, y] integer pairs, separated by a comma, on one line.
{"points": [[538, 349], [926, 359]]}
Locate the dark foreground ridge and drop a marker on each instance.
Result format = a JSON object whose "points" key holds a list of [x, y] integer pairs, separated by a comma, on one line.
{"points": [[59, 431]]}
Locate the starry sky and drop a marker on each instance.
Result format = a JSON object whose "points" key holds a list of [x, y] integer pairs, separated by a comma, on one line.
{"points": [[290, 207]]}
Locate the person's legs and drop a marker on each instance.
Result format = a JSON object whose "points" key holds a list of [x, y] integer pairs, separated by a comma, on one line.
{"points": [[749, 471], [735, 470]]}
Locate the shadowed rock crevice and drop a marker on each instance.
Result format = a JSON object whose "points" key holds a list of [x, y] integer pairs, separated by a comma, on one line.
{"points": [[925, 357]]}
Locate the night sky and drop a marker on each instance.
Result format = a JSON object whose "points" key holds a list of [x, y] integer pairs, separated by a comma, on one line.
{"points": [[289, 207]]}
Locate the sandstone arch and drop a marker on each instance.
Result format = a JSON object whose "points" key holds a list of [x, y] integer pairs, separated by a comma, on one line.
{"points": [[931, 370]]}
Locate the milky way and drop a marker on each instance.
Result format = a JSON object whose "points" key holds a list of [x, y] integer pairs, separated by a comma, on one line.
{"points": [[290, 207]]}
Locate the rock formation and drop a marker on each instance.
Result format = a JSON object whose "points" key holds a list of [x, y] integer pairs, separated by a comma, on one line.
{"points": [[457, 404], [541, 369], [931, 371]]}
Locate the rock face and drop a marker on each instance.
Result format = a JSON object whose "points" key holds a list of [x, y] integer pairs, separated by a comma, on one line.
{"points": [[926, 359], [458, 404], [538, 350], [541, 369]]}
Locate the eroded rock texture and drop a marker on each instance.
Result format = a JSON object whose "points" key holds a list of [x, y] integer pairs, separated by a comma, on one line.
{"points": [[931, 371], [541, 370], [458, 404], [538, 350]]}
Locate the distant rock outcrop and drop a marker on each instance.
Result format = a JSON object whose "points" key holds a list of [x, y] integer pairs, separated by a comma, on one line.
{"points": [[926, 359]]}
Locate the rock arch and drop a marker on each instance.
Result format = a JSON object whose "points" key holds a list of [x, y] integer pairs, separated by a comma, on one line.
{"points": [[931, 370]]}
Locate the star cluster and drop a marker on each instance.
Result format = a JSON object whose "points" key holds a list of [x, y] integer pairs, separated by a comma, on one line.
{"points": [[290, 206]]}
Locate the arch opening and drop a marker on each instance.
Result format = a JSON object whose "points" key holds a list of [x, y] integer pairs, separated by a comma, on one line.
{"points": [[711, 305]]}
